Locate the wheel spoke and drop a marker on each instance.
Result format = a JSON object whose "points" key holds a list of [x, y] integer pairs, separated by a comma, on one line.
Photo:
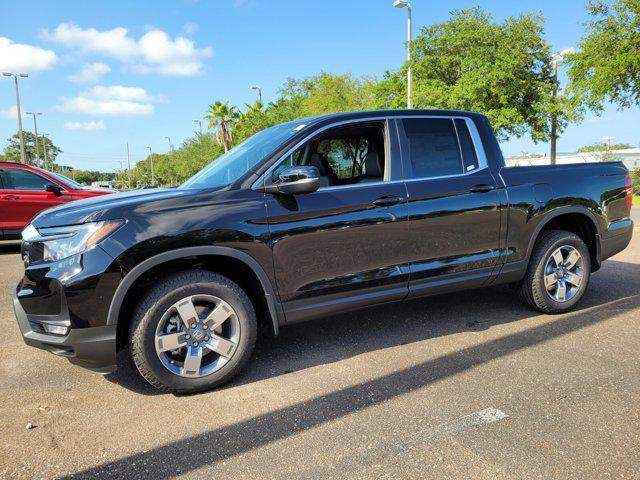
{"points": [[218, 316], [550, 280], [221, 345], [557, 257], [170, 341], [572, 259], [561, 292], [573, 278], [192, 361], [187, 312]]}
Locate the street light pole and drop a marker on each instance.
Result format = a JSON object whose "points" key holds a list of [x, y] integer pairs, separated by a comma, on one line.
{"points": [[402, 4], [153, 180], [169, 140], [557, 58], [23, 156], [35, 128], [199, 122], [255, 87], [44, 149]]}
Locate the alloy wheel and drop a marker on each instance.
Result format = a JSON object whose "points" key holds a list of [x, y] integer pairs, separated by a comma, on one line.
{"points": [[563, 273]]}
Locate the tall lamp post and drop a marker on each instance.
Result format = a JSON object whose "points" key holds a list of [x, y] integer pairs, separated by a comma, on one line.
{"points": [[255, 87], [403, 4], [23, 156], [557, 58], [153, 180], [199, 122], [44, 149], [170, 146], [35, 129]]}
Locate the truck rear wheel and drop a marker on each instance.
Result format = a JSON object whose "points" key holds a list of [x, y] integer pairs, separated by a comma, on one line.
{"points": [[193, 331], [558, 272]]}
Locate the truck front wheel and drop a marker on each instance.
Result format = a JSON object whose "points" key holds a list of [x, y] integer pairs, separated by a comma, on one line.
{"points": [[558, 272], [194, 330]]}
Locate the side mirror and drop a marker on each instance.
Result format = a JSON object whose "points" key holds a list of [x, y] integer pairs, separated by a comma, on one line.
{"points": [[55, 189], [296, 181]]}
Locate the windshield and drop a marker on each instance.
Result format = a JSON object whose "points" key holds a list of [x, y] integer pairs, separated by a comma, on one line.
{"points": [[227, 168], [66, 180]]}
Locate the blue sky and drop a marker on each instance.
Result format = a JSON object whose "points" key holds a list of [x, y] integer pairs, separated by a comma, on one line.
{"points": [[107, 73]]}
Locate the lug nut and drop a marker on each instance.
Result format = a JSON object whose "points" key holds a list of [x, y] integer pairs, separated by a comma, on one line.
{"points": [[195, 344], [193, 325], [206, 338], [204, 327], [187, 337]]}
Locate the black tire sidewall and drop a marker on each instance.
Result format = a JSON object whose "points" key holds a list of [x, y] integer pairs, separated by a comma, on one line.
{"points": [[143, 333], [549, 305]]}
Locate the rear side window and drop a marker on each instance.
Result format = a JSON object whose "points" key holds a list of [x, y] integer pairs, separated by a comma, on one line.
{"points": [[433, 147], [17, 179], [467, 148]]}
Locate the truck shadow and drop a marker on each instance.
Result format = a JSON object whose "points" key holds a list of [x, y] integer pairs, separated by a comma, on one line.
{"points": [[9, 247], [334, 339], [426, 319]]}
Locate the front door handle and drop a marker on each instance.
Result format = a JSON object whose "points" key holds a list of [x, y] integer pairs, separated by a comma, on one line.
{"points": [[482, 188], [10, 197], [386, 201]]}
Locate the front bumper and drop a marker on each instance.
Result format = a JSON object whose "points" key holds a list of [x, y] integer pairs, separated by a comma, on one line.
{"points": [[93, 348]]}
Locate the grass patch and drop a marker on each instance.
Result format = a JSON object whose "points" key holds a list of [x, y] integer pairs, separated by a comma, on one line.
{"points": [[636, 200]]}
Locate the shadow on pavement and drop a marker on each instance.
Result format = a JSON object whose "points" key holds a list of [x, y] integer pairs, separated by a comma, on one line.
{"points": [[325, 341]]}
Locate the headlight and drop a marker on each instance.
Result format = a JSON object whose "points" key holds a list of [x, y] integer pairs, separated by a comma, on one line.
{"points": [[61, 242]]}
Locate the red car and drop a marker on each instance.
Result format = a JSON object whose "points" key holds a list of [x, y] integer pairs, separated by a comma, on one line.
{"points": [[25, 191]]}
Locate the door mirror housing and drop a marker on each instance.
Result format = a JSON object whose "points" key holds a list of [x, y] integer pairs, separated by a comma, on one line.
{"points": [[55, 189], [295, 180]]}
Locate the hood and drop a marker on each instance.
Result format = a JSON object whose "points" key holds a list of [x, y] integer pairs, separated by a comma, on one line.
{"points": [[106, 207]]}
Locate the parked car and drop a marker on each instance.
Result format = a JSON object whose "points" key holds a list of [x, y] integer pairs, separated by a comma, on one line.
{"points": [[25, 191], [309, 219]]}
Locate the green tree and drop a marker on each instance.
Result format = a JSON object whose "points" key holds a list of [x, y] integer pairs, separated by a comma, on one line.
{"points": [[607, 66], [12, 150], [222, 117], [601, 146], [470, 62]]}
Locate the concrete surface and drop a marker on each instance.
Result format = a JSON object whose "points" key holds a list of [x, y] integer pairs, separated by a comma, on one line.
{"points": [[470, 385]]}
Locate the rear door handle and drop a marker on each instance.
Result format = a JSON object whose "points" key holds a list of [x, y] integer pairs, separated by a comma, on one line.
{"points": [[386, 201], [482, 188]]}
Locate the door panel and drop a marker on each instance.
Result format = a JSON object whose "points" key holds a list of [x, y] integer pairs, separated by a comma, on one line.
{"points": [[453, 232], [454, 205], [336, 247]]}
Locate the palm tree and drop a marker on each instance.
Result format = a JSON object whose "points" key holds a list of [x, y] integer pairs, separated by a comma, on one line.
{"points": [[222, 116]]}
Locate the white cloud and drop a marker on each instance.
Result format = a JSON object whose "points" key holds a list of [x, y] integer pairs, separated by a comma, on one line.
{"points": [[113, 100], [90, 73], [87, 126], [154, 52], [11, 112], [22, 58]]}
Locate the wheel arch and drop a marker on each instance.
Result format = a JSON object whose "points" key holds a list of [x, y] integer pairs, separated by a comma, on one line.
{"points": [[118, 301], [562, 218]]}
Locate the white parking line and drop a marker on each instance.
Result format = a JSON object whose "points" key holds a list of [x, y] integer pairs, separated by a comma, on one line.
{"points": [[396, 446]]}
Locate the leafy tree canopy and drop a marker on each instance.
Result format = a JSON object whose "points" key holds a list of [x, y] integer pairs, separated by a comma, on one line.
{"points": [[470, 62], [12, 150], [599, 147], [607, 67]]}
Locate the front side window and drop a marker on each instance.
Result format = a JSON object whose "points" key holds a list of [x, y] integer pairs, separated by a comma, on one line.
{"points": [[18, 179], [344, 155]]}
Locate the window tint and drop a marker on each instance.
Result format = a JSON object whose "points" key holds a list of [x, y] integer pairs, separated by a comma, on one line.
{"points": [[466, 146], [433, 147], [16, 179]]}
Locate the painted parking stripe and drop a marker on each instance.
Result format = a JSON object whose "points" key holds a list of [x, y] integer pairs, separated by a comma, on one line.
{"points": [[396, 446]]}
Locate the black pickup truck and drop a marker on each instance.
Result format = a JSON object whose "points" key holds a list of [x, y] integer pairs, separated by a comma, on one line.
{"points": [[307, 219]]}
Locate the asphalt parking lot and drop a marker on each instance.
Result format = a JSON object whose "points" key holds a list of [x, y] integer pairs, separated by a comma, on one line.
{"points": [[468, 385]]}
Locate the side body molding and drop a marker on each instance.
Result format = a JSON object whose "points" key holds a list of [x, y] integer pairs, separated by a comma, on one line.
{"points": [[277, 315]]}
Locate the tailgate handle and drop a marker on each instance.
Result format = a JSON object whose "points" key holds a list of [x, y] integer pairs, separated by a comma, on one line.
{"points": [[482, 188], [386, 201]]}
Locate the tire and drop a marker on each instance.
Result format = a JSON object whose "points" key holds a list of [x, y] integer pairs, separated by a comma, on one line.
{"points": [[156, 314], [532, 288]]}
